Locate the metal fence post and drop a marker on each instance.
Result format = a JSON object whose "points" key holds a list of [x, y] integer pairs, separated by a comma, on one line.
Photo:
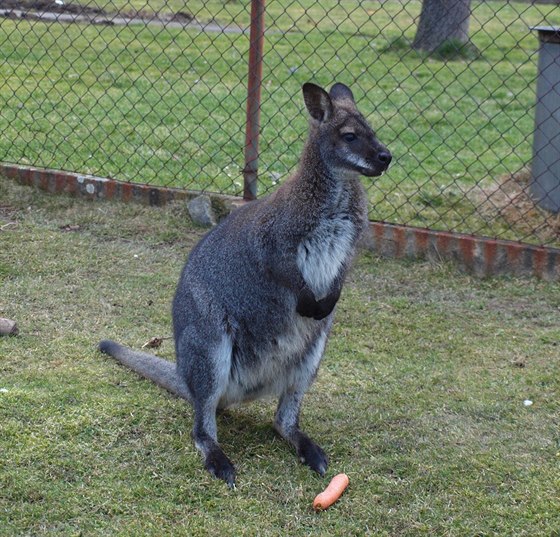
{"points": [[545, 180], [254, 80]]}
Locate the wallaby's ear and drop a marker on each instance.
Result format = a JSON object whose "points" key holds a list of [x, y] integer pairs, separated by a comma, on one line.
{"points": [[341, 92], [317, 101]]}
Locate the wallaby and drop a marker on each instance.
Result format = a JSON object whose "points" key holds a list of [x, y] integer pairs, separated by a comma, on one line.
{"points": [[255, 300]]}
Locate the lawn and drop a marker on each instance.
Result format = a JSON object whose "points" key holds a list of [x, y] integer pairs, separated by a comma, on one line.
{"points": [[420, 398], [166, 106]]}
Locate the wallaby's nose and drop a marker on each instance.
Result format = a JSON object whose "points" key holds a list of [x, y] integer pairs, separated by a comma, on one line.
{"points": [[384, 157]]}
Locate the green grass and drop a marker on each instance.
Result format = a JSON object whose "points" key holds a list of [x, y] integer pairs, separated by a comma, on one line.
{"points": [[419, 399], [167, 106]]}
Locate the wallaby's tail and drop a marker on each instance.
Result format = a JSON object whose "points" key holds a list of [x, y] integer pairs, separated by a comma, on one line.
{"points": [[147, 365]]}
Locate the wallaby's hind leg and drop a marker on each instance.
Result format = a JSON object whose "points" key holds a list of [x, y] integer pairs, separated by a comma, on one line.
{"points": [[206, 440], [205, 367], [286, 420]]}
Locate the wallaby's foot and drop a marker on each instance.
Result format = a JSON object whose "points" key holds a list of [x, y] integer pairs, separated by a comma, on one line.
{"points": [[286, 424], [215, 460], [217, 463], [311, 454]]}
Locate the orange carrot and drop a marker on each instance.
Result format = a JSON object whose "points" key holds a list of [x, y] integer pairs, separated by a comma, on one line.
{"points": [[332, 493]]}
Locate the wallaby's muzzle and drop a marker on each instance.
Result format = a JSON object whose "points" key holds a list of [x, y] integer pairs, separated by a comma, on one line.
{"points": [[379, 165], [375, 161]]}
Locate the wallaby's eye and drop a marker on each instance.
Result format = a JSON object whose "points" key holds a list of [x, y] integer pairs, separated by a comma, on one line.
{"points": [[349, 137]]}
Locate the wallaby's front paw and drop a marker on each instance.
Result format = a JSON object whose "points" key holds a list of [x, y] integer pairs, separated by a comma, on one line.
{"points": [[312, 455], [306, 305], [221, 467], [324, 308], [326, 305]]}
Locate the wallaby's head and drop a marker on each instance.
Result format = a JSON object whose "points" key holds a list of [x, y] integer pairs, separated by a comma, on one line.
{"points": [[345, 141]]}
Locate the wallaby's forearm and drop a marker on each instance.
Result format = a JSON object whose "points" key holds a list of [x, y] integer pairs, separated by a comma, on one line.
{"points": [[285, 272]]}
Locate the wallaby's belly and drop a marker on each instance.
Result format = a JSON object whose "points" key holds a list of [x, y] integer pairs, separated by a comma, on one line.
{"points": [[282, 360], [272, 346]]}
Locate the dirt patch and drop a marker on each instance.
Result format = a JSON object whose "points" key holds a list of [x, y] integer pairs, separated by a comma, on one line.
{"points": [[50, 6], [73, 12], [8, 217], [7, 211], [510, 199], [67, 12]]}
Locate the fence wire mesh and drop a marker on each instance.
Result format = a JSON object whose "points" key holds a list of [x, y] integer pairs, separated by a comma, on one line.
{"points": [[156, 93]]}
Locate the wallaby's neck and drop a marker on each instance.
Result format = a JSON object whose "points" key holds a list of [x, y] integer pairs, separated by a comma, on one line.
{"points": [[314, 179]]}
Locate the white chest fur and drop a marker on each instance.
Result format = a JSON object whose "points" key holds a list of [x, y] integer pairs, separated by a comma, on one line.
{"points": [[322, 254]]}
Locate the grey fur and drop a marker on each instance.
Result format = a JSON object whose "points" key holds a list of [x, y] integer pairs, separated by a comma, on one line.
{"points": [[255, 302]]}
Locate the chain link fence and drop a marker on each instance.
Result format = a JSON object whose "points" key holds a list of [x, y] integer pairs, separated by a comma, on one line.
{"points": [[156, 93]]}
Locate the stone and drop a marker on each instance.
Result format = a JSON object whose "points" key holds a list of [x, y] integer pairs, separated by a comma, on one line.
{"points": [[201, 212]]}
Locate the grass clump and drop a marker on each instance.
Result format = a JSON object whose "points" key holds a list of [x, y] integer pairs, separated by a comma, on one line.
{"points": [[399, 45], [420, 398], [454, 50]]}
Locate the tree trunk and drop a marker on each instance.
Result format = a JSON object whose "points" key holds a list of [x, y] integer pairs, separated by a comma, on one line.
{"points": [[442, 21]]}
